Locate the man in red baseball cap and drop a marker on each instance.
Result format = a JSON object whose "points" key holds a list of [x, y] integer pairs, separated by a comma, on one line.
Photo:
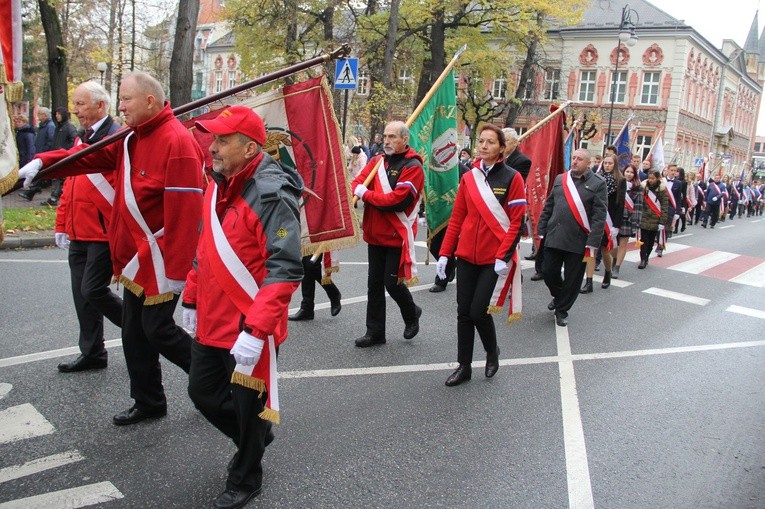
{"points": [[236, 299]]}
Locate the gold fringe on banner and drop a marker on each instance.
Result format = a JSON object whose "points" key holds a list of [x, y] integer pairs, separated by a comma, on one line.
{"points": [[493, 310], [13, 91], [409, 282], [514, 317], [158, 299], [7, 182], [269, 414], [330, 245], [250, 382], [131, 285]]}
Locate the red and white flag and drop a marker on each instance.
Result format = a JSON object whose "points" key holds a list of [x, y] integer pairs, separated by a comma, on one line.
{"points": [[11, 89]]}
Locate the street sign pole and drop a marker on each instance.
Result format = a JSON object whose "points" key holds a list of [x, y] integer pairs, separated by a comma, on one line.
{"points": [[345, 112]]}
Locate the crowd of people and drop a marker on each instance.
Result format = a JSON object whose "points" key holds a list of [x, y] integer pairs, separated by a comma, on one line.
{"points": [[129, 211]]}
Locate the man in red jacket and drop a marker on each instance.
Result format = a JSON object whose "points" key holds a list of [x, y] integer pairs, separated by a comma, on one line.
{"points": [[82, 227], [157, 210], [391, 203], [237, 295]]}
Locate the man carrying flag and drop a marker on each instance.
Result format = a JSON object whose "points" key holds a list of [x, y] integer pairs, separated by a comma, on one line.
{"points": [[571, 225], [434, 138]]}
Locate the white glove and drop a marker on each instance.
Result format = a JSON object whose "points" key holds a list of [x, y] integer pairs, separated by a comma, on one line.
{"points": [[441, 267], [715, 198], [176, 286], [661, 227], [360, 190], [62, 240], [29, 171], [190, 319], [247, 349], [500, 267]]}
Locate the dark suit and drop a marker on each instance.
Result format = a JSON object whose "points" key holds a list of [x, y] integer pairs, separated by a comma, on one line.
{"points": [[565, 241], [519, 162], [90, 266]]}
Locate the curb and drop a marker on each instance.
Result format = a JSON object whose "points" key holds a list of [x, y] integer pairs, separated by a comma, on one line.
{"points": [[27, 242]]}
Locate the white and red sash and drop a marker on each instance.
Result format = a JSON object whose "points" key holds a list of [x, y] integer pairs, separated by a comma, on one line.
{"points": [[104, 188], [652, 202], [576, 205], [629, 203], [611, 232], [670, 196], [239, 285], [403, 225], [148, 257], [331, 263], [495, 217]]}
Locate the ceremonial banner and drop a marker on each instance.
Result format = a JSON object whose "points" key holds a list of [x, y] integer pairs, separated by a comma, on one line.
{"points": [[657, 155], [623, 151], [568, 149], [545, 149], [433, 135], [302, 132]]}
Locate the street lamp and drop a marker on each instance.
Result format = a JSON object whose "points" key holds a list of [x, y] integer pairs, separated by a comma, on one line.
{"points": [[101, 66], [627, 36]]}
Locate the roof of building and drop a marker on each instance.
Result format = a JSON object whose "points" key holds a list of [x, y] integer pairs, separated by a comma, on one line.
{"points": [[752, 41], [761, 46], [209, 12], [607, 14], [226, 41]]}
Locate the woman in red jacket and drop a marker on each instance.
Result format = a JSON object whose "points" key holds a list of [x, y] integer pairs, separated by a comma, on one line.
{"points": [[483, 234]]}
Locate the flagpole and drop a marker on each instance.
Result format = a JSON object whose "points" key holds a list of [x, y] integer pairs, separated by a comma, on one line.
{"points": [[542, 122], [185, 108], [654, 143]]}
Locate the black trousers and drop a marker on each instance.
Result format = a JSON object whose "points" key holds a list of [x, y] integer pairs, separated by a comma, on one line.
{"points": [[313, 274], [382, 276], [451, 265], [147, 332], [540, 256], [564, 290], [90, 269], [648, 238], [475, 285], [231, 408], [713, 213]]}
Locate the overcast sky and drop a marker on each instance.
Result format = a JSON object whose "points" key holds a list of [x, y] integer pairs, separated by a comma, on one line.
{"points": [[718, 20]]}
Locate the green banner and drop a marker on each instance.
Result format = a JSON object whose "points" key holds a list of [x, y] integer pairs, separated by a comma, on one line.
{"points": [[434, 136]]}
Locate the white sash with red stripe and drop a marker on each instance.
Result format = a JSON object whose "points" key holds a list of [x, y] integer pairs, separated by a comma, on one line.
{"points": [[652, 202], [148, 251], [495, 217], [404, 226], [611, 231], [237, 281], [576, 205], [629, 203], [670, 196]]}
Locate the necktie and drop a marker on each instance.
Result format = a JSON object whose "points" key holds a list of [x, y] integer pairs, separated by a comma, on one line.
{"points": [[88, 133]]}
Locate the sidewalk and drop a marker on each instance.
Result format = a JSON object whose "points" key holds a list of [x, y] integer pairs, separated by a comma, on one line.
{"points": [[31, 239]]}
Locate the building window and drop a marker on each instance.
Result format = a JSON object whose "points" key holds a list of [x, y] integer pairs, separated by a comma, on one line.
{"points": [[218, 81], [552, 84], [362, 83], [499, 88], [757, 146], [529, 94], [618, 87], [643, 145], [650, 94], [587, 86], [198, 81], [521, 130], [231, 79], [584, 144], [405, 78]]}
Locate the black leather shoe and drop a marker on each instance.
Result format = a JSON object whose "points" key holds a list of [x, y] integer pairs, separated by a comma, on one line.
{"points": [[413, 327], [133, 415], [606, 279], [367, 341], [50, 201], [551, 305], [492, 363], [530, 257], [81, 363], [461, 374], [561, 320], [587, 288], [537, 276], [335, 305], [436, 288], [234, 499], [302, 314], [642, 264], [27, 194]]}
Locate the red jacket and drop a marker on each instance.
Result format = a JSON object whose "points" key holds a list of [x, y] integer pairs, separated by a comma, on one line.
{"points": [[166, 178], [469, 234], [406, 179], [258, 211]]}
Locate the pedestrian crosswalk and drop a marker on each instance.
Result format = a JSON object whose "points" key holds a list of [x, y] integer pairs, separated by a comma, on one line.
{"points": [[745, 270], [23, 422]]}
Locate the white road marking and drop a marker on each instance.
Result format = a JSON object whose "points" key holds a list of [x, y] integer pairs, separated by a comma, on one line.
{"points": [[752, 277], [756, 313], [81, 496], [52, 354], [704, 262], [619, 283], [727, 226], [21, 422], [39, 465], [681, 236], [5, 389], [634, 256], [682, 297], [757, 220], [577, 467]]}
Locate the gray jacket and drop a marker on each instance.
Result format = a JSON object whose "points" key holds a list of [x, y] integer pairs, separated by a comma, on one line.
{"points": [[557, 223]]}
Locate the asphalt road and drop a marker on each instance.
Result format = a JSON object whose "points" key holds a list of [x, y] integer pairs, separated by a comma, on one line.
{"points": [[649, 399]]}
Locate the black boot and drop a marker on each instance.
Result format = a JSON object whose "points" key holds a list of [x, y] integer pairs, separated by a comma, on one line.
{"points": [[606, 279], [335, 304], [302, 314], [643, 263], [461, 374], [492, 363], [587, 288]]}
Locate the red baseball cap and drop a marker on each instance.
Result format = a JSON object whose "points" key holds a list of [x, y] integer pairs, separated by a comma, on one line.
{"points": [[236, 119]]}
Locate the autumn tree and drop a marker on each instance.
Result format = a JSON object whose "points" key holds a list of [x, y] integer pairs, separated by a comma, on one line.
{"points": [[181, 63]]}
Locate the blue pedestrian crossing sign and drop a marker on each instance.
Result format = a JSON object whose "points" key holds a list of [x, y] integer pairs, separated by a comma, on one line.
{"points": [[346, 72]]}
